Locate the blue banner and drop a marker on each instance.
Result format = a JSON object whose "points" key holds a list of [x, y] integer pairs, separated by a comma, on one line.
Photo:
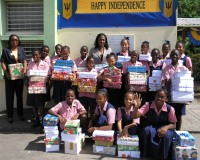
{"points": [[115, 13]]}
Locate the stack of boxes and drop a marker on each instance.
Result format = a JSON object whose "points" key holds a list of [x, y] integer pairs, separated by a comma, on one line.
{"points": [[155, 80], [145, 57], [87, 81], [37, 81], [123, 59], [182, 88], [73, 139], [62, 70], [115, 75], [104, 142], [99, 67], [16, 71], [52, 140], [128, 147], [137, 79], [185, 146]]}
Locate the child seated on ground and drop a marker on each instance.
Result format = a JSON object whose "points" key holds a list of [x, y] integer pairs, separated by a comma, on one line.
{"points": [[70, 109], [125, 123], [158, 130], [104, 115]]}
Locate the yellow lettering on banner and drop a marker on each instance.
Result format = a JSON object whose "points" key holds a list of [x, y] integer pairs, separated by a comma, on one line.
{"points": [[117, 6], [67, 8], [168, 7]]}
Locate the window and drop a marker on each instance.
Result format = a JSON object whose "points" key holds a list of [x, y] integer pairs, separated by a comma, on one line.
{"points": [[29, 46], [25, 16]]}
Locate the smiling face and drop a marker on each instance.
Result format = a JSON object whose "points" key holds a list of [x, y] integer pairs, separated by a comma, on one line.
{"points": [[58, 51], [111, 61], [101, 100], [102, 41], [90, 64], [65, 54], [174, 56], [160, 99], [125, 45], [180, 47], [70, 96], [128, 100], [134, 56]]}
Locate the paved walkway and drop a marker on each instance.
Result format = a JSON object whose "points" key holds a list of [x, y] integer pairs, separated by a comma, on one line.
{"points": [[19, 141]]}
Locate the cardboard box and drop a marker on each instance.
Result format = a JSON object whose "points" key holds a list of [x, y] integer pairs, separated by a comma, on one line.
{"points": [[189, 82], [52, 141], [115, 85], [141, 81], [129, 154], [184, 138], [62, 76], [81, 82], [179, 96], [50, 120], [155, 87], [37, 79], [112, 71], [137, 88], [37, 73], [139, 69], [52, 148], [123, 58], [182, 89], [36, 84], [135, 75], [50, 128], [103, 143], [53, 134], [145, 57], [68, 63], [115, 78], [73, 147], [100, 66], [182, 74], [71, 137], [37, 90], [72, 126], [62, 69], [157, 73], [104, 150], [186, 153], [87, 89], [16, 71], [92, 75], [155, 80]]}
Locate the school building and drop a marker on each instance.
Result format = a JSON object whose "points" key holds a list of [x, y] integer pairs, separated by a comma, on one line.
{"points": [[77, 22]]}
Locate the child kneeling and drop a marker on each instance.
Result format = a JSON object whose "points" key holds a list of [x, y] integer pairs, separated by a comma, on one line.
{"points": [[70, 109], [157, 135]]}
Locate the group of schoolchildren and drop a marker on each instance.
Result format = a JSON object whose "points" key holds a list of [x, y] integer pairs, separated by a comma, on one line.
{"points": [[117, 109]]}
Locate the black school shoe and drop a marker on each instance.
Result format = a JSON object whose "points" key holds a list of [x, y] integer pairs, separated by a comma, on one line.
{"points": [[10, 120]]}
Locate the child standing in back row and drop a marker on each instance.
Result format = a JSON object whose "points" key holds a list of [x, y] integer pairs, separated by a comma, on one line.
{"points": [[113, 93], [145, 51], [124, 47], [58, 54], [88, 100], [60, 87], [81, 61]]}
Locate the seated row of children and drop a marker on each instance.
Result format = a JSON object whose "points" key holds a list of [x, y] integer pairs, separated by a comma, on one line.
{"points": [[159, 123]]}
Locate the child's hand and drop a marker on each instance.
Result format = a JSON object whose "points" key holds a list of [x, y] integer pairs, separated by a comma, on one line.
{"points": [[75, 116], [7, 74], [62, 120], [162, 131], [137, 101], [125, 131], [109, 81], [91, 130]]}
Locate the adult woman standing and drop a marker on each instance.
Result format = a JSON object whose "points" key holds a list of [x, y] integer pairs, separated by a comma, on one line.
{"points": [[101, 49], [11, 55]]}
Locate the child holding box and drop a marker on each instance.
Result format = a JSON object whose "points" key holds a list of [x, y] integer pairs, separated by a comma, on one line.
{"points": [[167, 74], [70, 109], [157, 135], [37, 100]]}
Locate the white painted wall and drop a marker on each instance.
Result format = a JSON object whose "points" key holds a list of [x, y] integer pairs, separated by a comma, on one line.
{"points": [[77, 37]]}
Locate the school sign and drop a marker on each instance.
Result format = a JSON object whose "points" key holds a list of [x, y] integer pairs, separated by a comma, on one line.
{"points": [[116, 13]]}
